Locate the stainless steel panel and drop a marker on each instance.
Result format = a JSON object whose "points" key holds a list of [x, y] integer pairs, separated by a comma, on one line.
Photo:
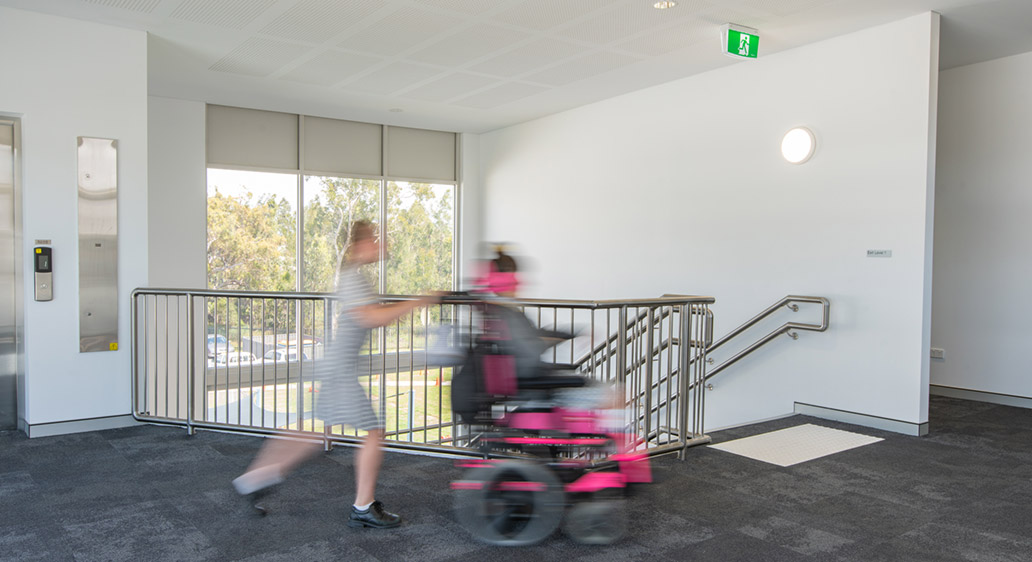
{"points": [[8, 349], [98, 244], [44, 286]]}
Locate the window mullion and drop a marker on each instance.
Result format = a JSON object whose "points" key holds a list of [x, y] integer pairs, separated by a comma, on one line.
{"points": [[299, 228], [383, 212]]}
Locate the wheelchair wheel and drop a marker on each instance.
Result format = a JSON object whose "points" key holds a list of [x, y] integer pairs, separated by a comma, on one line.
{"points": [[596, 522], [512, 503]]}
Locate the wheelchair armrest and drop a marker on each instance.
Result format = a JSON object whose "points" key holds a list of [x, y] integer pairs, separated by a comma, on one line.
{"points": [[553, 381]]}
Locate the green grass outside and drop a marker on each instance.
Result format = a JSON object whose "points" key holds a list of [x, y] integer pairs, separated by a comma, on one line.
{"points": [[430, 403]]}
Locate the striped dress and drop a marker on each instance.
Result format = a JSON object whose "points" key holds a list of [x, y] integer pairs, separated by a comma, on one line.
{"points": [[341, 399]]}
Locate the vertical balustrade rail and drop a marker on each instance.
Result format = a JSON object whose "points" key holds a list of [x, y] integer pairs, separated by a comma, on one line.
{"points": [[247, 361]]}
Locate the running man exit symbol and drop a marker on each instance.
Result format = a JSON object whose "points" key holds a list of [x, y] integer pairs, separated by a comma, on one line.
{"points": [[740, 42]]}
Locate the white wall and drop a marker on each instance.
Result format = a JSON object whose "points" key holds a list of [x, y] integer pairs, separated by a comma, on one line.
{"points": [[470, 208], [67, 78], [177, 214], [981, 307], [681, 188]]}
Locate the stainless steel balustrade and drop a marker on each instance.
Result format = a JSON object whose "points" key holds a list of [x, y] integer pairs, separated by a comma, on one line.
{"points": [[704, 340], [222, 360]]}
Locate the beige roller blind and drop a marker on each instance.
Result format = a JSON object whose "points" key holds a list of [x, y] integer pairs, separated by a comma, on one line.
{"points": [[250, 137], [420, 154], [343, 147]]}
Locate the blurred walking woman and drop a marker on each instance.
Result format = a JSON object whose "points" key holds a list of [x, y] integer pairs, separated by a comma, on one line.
{"points": [[341, 399]]}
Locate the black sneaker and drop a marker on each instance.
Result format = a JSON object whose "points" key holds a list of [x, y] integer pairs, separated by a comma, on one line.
{"points": [[374, 516]]}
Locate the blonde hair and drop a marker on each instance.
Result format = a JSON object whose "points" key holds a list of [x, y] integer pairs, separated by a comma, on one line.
{"points": [[360, 230]]}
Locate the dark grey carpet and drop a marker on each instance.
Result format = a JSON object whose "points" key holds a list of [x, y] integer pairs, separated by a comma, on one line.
{"points": [[153, 493]]}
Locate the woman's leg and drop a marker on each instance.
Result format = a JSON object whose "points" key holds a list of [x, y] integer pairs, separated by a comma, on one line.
{"points": [[276, 459], [367, 467], [287, 453]]}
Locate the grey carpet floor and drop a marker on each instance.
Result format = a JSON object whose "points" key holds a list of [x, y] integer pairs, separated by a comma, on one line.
{"points": [[153, 493]]}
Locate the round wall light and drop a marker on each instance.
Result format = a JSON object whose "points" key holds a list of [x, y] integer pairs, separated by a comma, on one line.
{"points": [[798, 145]]}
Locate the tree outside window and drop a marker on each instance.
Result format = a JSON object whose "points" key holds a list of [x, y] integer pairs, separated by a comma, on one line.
{"points": [[252, 224]]}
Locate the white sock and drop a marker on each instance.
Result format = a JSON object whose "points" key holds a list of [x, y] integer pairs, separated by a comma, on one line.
{"points": [[259, 478], [363, 507]]}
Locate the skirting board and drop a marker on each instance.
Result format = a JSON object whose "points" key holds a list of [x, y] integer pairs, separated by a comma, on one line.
{"points": [[887, 424], [981, 396], [78, 426], [743, 424]]}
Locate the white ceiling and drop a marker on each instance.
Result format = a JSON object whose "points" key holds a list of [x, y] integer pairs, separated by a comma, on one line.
{"points": [[477, 65]]}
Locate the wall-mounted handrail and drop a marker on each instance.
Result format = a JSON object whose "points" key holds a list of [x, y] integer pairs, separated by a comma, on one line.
{"points": [[788, 302]]}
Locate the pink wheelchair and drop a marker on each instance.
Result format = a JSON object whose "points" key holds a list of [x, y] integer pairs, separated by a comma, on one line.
{"points": [[544, 463]]}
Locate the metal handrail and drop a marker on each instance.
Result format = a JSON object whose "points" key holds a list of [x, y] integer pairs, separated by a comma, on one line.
{"points": [[665, 300], [788, 301], [783, 329], [604, 348], [677, 403]]}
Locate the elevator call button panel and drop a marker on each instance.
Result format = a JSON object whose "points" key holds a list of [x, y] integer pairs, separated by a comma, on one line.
{"points": [[44, 268]]}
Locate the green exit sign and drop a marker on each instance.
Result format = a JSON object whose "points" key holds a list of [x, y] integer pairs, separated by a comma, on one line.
{"points": [[740, 42]]}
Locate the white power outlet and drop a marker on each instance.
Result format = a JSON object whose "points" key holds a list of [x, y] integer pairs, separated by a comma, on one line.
{"points": [[938, 353]]}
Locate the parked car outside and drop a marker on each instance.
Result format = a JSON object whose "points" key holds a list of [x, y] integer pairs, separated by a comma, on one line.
{"points": [[284, 354], [234, 358], [218, 345]]}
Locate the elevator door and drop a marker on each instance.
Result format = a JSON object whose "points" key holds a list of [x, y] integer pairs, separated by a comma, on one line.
{"points": [[8, 350]]}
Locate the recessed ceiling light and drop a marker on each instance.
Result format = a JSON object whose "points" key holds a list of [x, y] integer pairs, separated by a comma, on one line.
{"points": [[664, 5], [798, 145]]}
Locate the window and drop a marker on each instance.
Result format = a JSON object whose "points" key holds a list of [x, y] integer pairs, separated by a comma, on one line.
{"points": [[283, 193], [256, 162], [252, 218], [332, 205], [419, 237]]}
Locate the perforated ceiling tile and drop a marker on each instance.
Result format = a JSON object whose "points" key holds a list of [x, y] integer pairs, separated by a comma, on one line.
{"points": [[471, 7], [145, 6], [542, 15], [581, 68], [315, 21], [331, 67], [627, 19], [450, 86], [233, 14], [399, 31], [390, 79], [467, 45], [259, 57], [501, 95], [794, 445], [530, 57], [679, 36], [778, 7], [685, 9], [749, 17]]}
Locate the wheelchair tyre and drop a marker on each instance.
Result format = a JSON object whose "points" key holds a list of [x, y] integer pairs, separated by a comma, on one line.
{"points": [[510, 517], [596, 522]]}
